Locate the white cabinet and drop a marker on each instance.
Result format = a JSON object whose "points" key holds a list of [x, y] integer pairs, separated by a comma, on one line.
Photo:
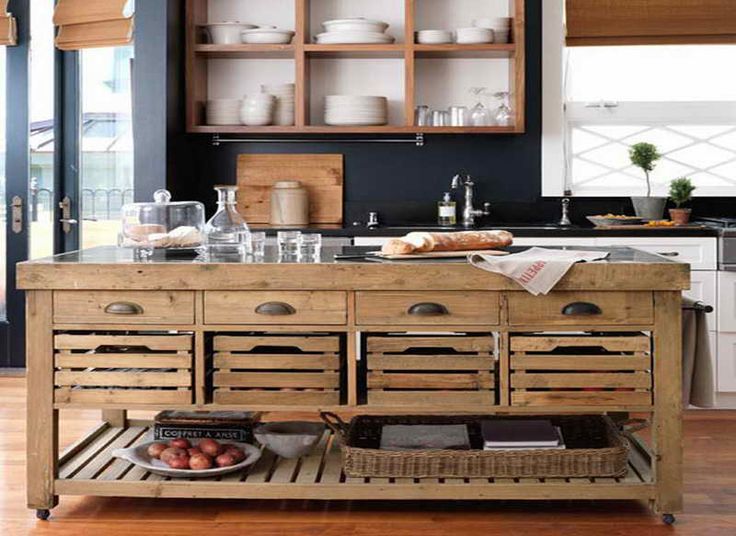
{"points": [[727, 301], [727, 362], [703, 288], [700, 252]]}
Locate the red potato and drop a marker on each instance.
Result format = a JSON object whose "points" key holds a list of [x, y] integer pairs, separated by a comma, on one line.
{"points": [[180, 443], [155, 449], [172, 453], [210, 447], [237, 454], [194, 450], [200, 461], [181, 462], [225, 460]]}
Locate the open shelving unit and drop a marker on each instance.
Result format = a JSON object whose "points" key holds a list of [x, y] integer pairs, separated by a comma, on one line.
{"points": [[408, 74]]}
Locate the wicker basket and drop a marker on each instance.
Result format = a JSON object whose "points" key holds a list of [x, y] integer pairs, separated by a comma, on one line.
{"points": [[595, 448]]}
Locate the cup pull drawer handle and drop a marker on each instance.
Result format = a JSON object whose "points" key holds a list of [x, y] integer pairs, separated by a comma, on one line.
{"points": [[669, 253], [123, 308], [275, 309], [428, 309], [581, 309]]}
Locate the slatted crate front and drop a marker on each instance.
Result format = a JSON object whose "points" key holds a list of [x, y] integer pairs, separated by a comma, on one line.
{"points": [[114, 368], [416, 370], [581, 369], [278, 369]]}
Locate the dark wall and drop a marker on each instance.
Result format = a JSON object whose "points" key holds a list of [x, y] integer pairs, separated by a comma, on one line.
{"points": [[404, 182]]}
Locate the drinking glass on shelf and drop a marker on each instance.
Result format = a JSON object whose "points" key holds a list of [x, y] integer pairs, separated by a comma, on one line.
{"points": [[422, 116], [258, 243], [288, 243], [440, 118], [504, 116], [480, 115], [458, 116], [310, 247]]}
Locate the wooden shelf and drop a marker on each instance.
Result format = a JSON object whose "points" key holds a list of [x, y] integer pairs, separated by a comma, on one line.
{"points": [[245, 51], [465, 51], [88, 468], [326, 129], [356, 51]]}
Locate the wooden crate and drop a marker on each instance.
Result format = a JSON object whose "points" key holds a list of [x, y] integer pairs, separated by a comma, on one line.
{"points": [[110, 368], [445, 370], [276, 369], [581, 369]]}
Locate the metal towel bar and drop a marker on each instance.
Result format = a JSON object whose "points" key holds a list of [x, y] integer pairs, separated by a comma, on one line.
{"points": [[698, 306]]}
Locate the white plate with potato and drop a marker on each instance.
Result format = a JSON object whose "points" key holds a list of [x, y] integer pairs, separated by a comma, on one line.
{"points": [[145, 456]]}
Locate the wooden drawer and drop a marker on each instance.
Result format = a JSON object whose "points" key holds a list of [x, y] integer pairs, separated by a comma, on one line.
{"points": [[581, 308], [123, 307], [581, 370], [288, 370], [275, 307], [441, 370], [427, 308], [100, 369]]}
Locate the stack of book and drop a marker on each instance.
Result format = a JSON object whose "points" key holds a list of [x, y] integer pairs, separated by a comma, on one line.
{"points": [[521, 434]]}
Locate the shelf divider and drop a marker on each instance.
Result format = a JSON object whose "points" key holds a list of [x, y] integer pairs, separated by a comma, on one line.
{"points": [[301, 62], [409, 66]]}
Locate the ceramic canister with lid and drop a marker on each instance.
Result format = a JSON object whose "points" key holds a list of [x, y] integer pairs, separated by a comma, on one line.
{"points": [[289, 203]]}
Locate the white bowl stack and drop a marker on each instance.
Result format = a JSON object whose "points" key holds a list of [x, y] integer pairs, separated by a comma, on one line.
{"points": [[257, 110], [501, 27], [354, 31], [283, 112], [354, 110], [434, 37], [473, 36], [223, 112]]}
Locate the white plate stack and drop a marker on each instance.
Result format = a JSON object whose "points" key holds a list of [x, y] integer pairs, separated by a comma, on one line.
{"points": [[354, 110], [257, 111], [501, 27], [283, 112], [223, 112], [354, 31]]}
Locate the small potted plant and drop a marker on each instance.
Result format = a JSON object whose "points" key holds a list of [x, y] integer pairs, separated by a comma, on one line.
{"points": [[645, 156], [681, 191]]}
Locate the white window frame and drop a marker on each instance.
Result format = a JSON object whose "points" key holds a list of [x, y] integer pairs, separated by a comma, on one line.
{"points": [[559, 117]]}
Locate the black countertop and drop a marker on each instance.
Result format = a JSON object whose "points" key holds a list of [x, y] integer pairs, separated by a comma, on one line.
{"points": [[519, 230]]}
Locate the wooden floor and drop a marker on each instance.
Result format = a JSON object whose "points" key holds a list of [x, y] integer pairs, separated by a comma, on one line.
{"points": [[710, 499]]}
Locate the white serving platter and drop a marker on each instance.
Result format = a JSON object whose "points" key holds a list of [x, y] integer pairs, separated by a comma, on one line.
{"points": [[138, 455]]}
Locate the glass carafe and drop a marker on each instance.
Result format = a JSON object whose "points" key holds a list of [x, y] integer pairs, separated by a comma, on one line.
{"points": [[226, 233]]}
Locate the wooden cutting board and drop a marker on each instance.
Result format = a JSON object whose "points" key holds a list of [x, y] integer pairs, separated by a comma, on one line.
{"points": [[441, 254], [321, 174]]}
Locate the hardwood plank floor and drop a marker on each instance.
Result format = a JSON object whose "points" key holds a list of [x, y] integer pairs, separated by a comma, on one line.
{"points": [[710, 499]]}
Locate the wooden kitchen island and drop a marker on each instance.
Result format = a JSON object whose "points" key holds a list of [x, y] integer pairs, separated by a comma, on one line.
{"points": [[108, 333]]}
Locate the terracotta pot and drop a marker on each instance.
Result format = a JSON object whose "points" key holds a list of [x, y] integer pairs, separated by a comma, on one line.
{"points": [[681, 216]]}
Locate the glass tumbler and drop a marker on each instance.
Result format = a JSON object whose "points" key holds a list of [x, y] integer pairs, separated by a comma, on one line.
{"points": [[310, 247], [288, 243], [258, 243]]}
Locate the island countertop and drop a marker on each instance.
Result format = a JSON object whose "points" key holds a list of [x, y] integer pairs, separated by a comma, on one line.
{"points": [[115, 268]]}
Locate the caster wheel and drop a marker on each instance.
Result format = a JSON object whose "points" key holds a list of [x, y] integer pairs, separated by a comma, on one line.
{"points": [[43, 515], [668, 519]]}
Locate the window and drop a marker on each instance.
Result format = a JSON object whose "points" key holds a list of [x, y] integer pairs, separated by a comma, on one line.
{"points": [[106, 173], [682, 98]]}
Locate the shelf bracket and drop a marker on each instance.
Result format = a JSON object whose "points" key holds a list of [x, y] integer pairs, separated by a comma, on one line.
{"points": [[420, 139]]}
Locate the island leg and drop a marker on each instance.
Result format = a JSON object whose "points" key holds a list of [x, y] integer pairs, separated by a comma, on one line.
{"points": [[667, 418], [42, 424]]}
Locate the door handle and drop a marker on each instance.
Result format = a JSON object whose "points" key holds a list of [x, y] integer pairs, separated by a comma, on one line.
{"points": [[66, 219], [669, 253], [16, 215]]}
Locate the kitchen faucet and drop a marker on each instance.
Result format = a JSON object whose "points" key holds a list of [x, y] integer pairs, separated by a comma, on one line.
{"points": [[469, 212]]}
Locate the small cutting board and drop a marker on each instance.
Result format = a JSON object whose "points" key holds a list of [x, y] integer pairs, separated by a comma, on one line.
{"points": [[440, 254], [321, 174]]}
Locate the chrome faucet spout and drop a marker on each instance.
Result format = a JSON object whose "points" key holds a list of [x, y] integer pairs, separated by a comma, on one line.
{"points": [[470, 213]]}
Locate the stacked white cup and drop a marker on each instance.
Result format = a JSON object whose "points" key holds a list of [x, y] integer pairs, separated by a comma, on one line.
{"points": [[283, 113], [257, 110]]}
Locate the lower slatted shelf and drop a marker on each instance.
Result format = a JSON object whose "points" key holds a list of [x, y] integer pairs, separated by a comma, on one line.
{"points": [[89, 469]]}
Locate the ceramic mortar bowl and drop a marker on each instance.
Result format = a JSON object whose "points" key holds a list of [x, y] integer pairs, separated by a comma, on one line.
{"points": [[290, 439]]}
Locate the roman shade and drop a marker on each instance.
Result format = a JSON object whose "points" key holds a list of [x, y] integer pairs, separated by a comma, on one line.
{"points": [[8, 30], [93, 23], [648, 22]]}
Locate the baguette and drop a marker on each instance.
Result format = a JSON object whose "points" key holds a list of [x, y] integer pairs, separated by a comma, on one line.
{"points": [[421, 242]]}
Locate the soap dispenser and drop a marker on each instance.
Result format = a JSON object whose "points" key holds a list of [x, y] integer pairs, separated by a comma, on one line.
{"points": [[447, 211]]}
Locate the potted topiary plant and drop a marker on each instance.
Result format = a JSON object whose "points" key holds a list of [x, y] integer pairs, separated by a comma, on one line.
{"points": [[681, 191], [645, 156]]}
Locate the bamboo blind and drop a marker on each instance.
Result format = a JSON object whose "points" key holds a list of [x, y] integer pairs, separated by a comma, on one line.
{"points": [[8, 30], [93, 23], [647, 22]]}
